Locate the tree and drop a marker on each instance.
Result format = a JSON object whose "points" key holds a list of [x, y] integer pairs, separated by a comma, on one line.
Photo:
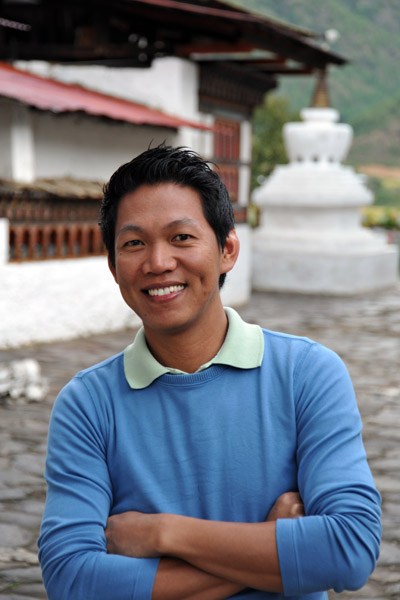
{"points": [[268, 147]]}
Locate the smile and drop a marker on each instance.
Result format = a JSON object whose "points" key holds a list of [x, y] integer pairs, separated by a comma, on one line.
{"points": [[166, 290]]}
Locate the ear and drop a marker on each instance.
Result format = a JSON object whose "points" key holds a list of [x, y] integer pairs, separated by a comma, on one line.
{"points": [[230, 252], [112, 269]]}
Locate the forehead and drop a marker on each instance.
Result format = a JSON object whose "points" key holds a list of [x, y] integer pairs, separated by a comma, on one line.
{"points": [[165, 201]]}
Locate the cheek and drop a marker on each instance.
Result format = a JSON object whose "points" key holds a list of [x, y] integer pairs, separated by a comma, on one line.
{"points": [[203, 263], [126, 267], [209, 272]]}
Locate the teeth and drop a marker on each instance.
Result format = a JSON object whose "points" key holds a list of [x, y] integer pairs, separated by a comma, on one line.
{"points": [[166, 290]]}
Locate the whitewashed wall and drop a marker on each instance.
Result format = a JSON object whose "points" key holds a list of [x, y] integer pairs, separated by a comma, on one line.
{"points": [[60, 299], [5, 138], [237, 288], [170, 85], [69, 144], [78, 146], [64, 299]]}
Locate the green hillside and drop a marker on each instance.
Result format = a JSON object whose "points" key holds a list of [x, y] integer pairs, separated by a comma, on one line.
{"points": [[366, 92]]}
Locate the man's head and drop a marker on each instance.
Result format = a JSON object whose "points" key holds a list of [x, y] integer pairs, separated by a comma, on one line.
{"points": [[165, 164]]}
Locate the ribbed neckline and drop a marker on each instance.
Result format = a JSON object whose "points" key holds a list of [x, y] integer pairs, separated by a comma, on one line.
{"points": [[192, 378]]}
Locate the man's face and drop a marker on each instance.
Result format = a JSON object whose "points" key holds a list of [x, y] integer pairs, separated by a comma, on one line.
{"points": [[167, 259]]}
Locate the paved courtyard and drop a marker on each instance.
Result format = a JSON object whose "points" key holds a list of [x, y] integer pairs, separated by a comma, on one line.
{"points": [[365, 331]]}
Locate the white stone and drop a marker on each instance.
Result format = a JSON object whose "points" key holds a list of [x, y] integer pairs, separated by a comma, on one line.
{"points": [[390, 554], [12, 535], [310, 239], [18, 555], [22, 379]]}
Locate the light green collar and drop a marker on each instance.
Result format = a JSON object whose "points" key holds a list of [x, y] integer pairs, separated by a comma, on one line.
{"points": [[243, 348]]}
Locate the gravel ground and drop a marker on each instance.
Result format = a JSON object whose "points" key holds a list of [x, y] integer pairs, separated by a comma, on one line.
{"points": [[364, 330]]}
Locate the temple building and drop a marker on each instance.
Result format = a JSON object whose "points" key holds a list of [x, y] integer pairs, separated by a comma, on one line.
{"points": [[80, 94]]}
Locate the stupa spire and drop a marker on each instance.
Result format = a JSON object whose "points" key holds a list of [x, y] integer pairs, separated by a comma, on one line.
{"points": [[320, 97]]}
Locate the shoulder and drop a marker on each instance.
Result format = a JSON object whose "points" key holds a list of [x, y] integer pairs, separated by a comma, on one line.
{"points": [[102, 368], [300, 356], [88, 387], [285, 339], [296, 347]]}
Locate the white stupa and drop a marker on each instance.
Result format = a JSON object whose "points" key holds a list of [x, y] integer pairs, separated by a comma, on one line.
{"points": [[310, 238]]}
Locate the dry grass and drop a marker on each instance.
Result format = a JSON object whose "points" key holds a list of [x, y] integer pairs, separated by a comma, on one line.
{"points": [[380, 171]]}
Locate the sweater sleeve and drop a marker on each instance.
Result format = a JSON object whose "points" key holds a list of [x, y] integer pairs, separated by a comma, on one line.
{"points": [[72, 545], [337, 544]]}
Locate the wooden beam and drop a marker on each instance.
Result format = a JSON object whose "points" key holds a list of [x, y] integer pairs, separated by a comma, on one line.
{"points": [[297, 49], [67, 53], [209, 47], [270, 62], [289, 71]]}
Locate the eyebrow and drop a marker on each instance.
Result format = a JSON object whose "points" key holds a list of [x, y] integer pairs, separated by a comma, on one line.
{"points": [[129, 227], [183, 221], [136, 228]]}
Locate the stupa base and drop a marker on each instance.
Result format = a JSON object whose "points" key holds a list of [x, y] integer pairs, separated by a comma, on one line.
{"points": [[327, 273]]}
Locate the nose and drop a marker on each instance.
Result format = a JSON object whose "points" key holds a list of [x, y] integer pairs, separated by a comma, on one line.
{"points": [[159, 259]]}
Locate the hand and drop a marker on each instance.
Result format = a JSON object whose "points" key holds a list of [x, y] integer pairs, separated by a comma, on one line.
{"points": [[288, 506], [133, 534]]}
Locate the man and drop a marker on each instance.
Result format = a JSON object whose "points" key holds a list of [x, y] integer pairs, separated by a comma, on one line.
{"points": [[173, 468]]}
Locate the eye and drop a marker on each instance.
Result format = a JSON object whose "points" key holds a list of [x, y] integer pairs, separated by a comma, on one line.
{"points": [[133, 243], [182, 237]]}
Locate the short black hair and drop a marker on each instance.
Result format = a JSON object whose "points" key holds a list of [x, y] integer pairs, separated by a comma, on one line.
{"points": [[166, 164]]}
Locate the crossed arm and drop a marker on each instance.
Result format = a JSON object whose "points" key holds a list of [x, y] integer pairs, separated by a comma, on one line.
{"points": [[204, 560]]}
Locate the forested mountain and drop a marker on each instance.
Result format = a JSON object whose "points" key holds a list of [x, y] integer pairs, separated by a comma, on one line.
{"points": [[367, 91]]}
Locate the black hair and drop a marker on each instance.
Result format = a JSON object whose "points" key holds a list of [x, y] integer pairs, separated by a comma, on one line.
{"points": [[165, 164]]}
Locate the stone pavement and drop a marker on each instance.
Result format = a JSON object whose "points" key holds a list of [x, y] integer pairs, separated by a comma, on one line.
{"points": [[365, 331]]}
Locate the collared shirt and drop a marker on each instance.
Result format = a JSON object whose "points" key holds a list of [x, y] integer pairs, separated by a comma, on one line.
{"points": [[243, 348]]}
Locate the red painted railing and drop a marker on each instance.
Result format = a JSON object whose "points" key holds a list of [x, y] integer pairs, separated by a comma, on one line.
{"points": [[44, 227], [61, 240]]}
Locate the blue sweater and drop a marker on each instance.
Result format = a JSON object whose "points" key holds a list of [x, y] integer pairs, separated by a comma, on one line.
{"points": [[221, 444]]}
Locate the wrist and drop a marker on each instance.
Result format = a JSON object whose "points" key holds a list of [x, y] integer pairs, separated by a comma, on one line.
{"points": [[168, 526]]}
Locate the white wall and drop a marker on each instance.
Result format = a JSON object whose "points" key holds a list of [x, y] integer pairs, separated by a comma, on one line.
{"points": [[22, 144], [59, 299], [245, 158], [5, 138], [39, 144], [170, 84], [237, 288], [78, 146]]}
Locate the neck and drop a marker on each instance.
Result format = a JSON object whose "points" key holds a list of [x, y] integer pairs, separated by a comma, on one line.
{"points": [[188, 350]]}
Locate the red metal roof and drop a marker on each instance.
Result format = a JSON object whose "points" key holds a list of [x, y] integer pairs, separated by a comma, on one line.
{"points": [[55, 96]]}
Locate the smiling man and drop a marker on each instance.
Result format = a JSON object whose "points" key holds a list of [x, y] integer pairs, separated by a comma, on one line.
{"points": [[174, 468]]}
